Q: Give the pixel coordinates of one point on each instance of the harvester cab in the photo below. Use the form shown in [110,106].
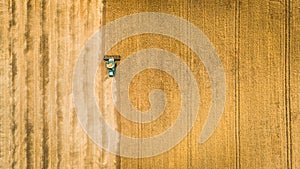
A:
[110,62]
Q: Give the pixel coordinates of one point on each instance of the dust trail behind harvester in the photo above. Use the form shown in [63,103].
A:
[109,114]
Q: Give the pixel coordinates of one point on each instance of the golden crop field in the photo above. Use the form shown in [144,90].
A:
[257,42]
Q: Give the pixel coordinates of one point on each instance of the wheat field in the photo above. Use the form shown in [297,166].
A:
[257,41]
